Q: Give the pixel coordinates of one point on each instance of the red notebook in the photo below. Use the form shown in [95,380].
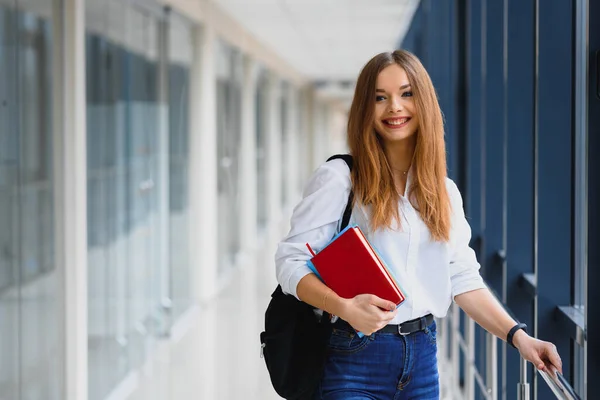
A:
[350,266]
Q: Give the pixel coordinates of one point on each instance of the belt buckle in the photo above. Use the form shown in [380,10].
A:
[402,333]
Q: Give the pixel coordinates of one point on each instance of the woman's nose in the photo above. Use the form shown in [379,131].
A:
[395,105]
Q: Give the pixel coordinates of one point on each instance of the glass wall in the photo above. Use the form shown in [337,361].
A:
[127,187]
[229,111]
[180,63]
[31,328]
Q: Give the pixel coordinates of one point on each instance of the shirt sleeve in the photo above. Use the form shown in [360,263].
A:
[464,267]
[314,221]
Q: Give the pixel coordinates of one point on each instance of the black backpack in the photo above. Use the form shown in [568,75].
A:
[294,342]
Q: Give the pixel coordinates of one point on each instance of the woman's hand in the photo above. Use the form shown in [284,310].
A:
[541,354]
[368,313]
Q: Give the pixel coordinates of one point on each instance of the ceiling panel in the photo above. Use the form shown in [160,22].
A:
[324,39]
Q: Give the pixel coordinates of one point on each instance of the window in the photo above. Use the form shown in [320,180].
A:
[229,94]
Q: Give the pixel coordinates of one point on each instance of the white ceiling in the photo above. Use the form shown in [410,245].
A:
[326,40]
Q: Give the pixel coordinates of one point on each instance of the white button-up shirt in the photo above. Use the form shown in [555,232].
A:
[429,272]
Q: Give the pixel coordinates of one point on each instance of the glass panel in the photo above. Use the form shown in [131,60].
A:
[580,197]
[261,152]
[302,138]
[229,88]
[40,285]
[108,182]
[144,134]
[581,165]
[31,366]
[180,63]
[127,186]
[9,204]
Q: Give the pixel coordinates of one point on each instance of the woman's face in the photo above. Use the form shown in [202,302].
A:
[396,117]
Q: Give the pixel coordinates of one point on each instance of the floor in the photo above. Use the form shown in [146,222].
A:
[214,351]
[217,355]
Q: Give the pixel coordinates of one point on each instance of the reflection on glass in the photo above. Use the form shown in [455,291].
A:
[125,186]
[229,107]
[180,62]
[261,151]
[30,293]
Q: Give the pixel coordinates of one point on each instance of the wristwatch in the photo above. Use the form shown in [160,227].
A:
[511,333]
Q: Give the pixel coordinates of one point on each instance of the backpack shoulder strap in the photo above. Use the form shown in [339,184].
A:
[348,211]
[346,157]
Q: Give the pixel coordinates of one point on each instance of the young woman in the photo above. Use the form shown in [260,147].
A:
[412,213]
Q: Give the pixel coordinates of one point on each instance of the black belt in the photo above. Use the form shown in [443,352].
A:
[405,328]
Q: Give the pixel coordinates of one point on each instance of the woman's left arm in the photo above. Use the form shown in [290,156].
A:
[471,294]
[484,309]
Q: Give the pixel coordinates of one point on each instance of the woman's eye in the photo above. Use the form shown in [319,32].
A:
[407,94]
[379,98]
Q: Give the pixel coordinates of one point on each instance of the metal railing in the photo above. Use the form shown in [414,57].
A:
[453,343]
[559,385]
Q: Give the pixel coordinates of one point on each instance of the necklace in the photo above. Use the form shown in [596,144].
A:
[404,173]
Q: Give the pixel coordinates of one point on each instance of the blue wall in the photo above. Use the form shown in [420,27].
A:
[510,134]
[593,327]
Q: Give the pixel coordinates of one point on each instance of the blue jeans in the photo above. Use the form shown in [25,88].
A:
[382,366]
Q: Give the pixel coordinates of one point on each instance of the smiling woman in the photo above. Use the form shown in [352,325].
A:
[394,99]
[412,213]
[395,114]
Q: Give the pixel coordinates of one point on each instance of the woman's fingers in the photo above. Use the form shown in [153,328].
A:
[381,303]
[537,361]
[543,355]
[553,356]
[372,313]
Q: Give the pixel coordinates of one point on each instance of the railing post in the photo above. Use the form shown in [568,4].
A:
[470,358]
[455,349]
[491,367]
[523,386]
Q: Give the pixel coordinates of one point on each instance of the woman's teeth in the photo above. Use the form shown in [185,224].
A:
[397,121]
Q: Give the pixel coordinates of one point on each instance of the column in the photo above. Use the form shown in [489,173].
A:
[320,141]
[310,160]
[203,170]
[164,187]
[248,157]
[293,157]
[70,195]
[273,154]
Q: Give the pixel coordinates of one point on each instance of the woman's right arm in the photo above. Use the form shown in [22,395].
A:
[365,312]
[315,221]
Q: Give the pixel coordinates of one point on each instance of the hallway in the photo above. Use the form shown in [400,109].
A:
[217,355]
[151,152]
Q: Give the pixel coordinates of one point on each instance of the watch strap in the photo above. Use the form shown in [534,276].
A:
[514,329]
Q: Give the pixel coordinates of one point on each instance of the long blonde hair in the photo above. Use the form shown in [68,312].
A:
[372,178]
